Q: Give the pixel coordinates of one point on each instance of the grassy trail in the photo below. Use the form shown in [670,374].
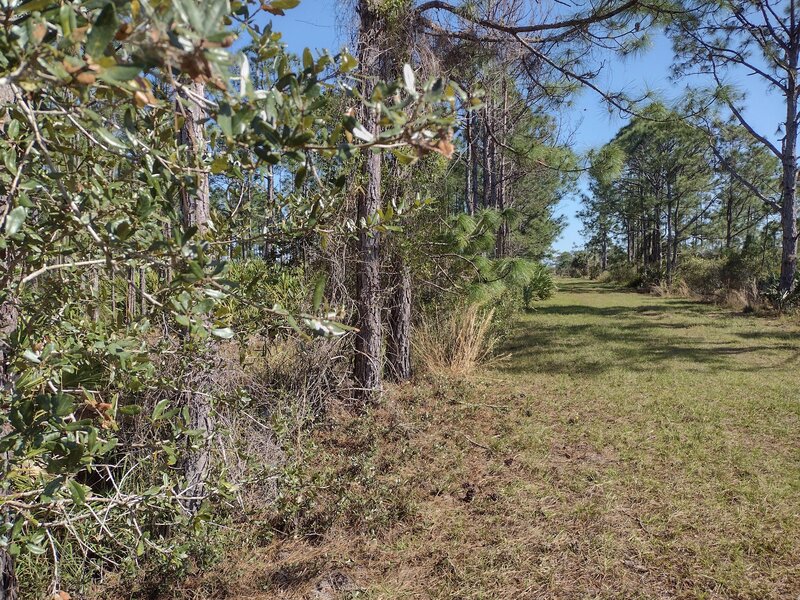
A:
[630,447]
[663,450]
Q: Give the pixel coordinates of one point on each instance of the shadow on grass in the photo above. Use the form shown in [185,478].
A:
[567,310]
[581,286]
[583,339]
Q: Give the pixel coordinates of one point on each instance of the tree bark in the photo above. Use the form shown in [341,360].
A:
[501,249]
[475,163]
[367,360]
[604,248]
[195,203]
[729,217]
[195,212]
[143,290]
[487,162]
[398,351]
[656,237]
[197,463]
[9,587]
[670,232]
[130,297]
[492,168]
[628,241]
[468,135]
[789,182]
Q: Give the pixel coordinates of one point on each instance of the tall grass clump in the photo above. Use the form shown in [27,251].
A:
[456,344]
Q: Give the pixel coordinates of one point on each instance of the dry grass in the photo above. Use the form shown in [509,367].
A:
[746,300]
[679,289]
[457,344]
[736,300]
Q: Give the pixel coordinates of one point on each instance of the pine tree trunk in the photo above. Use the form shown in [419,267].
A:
[130,297]
[196,203]
[670,232]
[487,163]
[475,163]
[500,186]
[398,351]
[628,241]
[729,219]
[468,135]
[645,241]
[143,290]
[270,250]
[197,463]
[789,184]
[604,250]
[492,167]
[9,589]
[656,239]
[367,360]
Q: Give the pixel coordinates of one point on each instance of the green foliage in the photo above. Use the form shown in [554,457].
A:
[576,264]
[730,270]
[540,286]
[107,280]
[257,287]
[770,290]
[545,171]
[624,274]
[668,203]
[702,275]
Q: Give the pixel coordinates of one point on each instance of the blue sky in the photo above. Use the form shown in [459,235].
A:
[316,24]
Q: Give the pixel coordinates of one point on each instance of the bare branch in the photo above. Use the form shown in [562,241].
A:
[576,23]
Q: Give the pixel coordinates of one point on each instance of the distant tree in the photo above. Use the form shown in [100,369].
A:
[746,171]
[659,188]
[759,39]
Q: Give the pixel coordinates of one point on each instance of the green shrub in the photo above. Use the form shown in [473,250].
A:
[625,274]
[540,286]
[732,271]
[513,284]
[769,289]
[702,275]
[259,285]
[605,277]
[741,268]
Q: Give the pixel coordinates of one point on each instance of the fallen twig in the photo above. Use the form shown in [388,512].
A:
[474,443]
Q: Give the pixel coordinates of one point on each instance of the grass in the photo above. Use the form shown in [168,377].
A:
[631,447]
[456,345]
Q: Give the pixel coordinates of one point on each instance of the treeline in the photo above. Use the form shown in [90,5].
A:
[206,240]
[697,195]
[661,193]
